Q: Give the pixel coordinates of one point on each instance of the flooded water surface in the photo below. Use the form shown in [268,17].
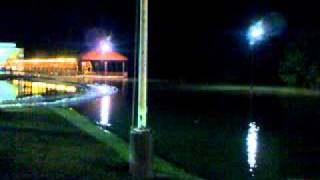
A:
[213,134]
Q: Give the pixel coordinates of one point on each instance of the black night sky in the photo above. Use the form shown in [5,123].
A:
[189,40]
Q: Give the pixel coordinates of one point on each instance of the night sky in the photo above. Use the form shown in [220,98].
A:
[189,40]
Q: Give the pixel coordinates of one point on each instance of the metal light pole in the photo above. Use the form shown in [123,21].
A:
[251,81]
[140,136]
[143,60]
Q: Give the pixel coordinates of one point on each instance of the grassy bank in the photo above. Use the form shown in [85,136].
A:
[59,143]
[257,90]
[161,167]
[40,144]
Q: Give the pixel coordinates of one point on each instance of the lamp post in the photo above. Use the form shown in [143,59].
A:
[255,34]
[140,157]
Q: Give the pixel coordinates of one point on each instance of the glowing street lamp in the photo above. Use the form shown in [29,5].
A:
[256,32]
[105,45]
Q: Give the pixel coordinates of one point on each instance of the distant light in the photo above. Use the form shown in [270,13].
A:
[256,32]
[105,46]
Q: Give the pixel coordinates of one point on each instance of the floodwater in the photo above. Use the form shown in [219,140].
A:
[30,93]
[212,134]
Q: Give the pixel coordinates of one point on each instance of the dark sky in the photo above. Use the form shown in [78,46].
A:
[190,40]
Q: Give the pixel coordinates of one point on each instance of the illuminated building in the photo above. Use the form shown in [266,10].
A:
[52,66]
[108,63]
[90,63]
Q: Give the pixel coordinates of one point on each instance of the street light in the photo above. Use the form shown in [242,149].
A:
[256,33]
[105,45]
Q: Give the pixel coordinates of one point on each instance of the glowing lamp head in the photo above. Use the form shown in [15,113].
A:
[105,46]
[256,32]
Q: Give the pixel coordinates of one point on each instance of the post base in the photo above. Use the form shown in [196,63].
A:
[140,153]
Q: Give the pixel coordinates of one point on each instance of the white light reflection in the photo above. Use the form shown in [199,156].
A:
[92,92]
[104,112]
[252,146]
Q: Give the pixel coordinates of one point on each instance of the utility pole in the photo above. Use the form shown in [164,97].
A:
[140,135]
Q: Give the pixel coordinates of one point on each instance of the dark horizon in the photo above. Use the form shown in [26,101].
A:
[200,41]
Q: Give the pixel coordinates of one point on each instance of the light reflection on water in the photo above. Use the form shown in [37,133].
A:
[252,146]
[105,111]
[24,89]
[22,93]
[39,88]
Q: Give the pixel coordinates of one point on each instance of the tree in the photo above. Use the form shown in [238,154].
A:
[297,70]
[292,67]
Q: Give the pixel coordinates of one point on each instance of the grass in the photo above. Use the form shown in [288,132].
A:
[37,143]
[59,143]
[244,89]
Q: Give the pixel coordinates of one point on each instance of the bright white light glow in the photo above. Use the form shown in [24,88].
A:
[104,112]
[105,46]
[103,89]
[256,32]
[252,146]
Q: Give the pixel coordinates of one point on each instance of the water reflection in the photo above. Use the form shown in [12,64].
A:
[105,111]
[252,146]
[40,88]
[21,93]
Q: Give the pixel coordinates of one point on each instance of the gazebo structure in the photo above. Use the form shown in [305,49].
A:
[107,63]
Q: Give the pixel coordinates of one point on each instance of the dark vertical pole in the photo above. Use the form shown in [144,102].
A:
[105,67]
[136,54]
[251,93]
[123,68]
